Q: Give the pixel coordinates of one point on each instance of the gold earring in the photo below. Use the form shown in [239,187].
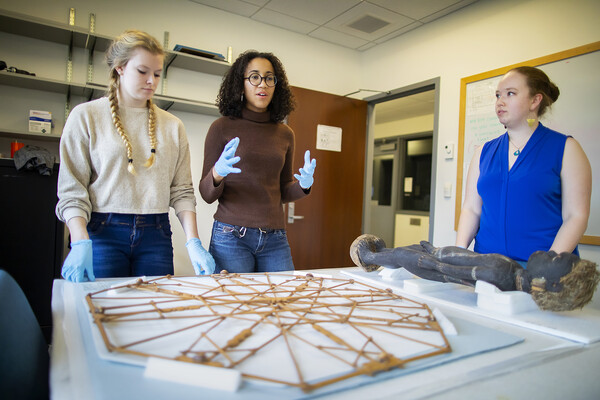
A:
[531,121]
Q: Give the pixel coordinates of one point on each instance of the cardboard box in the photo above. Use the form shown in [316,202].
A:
[40,121]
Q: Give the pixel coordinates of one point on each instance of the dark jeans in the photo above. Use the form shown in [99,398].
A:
[239,249]
[131,244]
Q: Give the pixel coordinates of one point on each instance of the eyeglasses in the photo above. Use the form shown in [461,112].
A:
[255,79]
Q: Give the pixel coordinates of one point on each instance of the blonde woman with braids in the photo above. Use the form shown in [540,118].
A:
[124,162]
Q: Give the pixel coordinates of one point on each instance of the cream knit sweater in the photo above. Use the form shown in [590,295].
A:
[93,172]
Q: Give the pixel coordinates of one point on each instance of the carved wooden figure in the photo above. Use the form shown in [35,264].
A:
[557,282]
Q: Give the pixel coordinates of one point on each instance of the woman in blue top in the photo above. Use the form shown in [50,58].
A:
[530,188]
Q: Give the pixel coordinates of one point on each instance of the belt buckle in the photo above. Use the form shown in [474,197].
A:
[238,233]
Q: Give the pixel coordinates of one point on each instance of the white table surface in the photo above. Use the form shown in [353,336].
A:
[541,366]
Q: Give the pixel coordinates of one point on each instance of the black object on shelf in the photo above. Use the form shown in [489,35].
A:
[16,70]
[197,52]
[31,238]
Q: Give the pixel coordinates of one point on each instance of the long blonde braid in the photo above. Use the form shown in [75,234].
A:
[118,55]
[152,134]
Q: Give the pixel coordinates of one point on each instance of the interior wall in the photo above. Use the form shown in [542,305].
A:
[309,63]
[483,36]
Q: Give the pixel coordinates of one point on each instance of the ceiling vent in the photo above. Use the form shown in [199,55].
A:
[368,24]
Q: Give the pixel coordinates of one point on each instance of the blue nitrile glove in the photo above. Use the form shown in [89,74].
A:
[306,173]
[79,264]
[224,165]
[202,261]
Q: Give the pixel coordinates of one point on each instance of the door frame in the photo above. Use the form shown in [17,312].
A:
[395,189]
[431,84]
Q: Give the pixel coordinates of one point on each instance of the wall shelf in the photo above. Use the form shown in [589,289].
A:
[78,37]
[38,28]
[179,104]
[196,63]
[33,82]
[16,134]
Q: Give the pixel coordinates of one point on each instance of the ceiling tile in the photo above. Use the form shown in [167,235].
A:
[338,38]
[348,23]
[395,20]
[259,3]
[366,46]
[315,11]
[233,6]
[415,9]
[399,32]
[284,21]
[447,10]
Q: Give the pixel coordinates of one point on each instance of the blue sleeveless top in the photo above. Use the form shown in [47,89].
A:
[522,207]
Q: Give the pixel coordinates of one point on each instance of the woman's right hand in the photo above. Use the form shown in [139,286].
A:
[224,165]
[79,264]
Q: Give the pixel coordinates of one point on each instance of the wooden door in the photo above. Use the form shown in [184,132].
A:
[332,213]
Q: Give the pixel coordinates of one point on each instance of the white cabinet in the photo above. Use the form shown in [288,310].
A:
[71,38]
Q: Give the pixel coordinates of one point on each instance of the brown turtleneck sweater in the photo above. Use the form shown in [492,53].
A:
[254,197]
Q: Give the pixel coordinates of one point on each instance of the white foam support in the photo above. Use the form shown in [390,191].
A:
[122,286]
[582,326]
[417,286]
[395,274]
[489,297]
[446,325]
[193,374]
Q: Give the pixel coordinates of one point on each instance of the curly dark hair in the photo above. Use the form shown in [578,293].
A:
[229,99]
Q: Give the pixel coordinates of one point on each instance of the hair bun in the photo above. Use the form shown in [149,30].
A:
[553,91]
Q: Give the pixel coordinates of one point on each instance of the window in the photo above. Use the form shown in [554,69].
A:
[415,185]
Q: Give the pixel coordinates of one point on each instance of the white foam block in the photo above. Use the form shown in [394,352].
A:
[122,286]
[416,286]
[446,325]
[395,274]
[193,374]
[489,297]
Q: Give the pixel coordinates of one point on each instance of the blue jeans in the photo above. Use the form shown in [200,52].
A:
[131,244]
[239,249]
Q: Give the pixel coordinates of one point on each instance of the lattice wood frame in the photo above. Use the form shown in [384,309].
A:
[221,320]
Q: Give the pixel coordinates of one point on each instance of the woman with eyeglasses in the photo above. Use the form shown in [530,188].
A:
[248,157]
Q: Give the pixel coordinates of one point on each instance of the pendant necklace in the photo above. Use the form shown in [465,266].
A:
[518,151]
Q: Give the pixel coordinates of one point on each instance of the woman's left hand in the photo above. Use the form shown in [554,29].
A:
[306,172]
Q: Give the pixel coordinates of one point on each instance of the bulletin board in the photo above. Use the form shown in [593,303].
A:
[575,113]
